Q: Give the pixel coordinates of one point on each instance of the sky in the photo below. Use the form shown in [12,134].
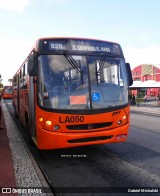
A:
[132,24]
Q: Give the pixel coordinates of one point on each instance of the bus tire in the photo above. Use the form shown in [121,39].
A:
[15,113]
[27,124]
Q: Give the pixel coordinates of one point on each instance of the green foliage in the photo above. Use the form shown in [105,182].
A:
[1,85]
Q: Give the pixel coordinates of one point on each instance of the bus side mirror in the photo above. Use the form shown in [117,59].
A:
[32,64]
[129,73]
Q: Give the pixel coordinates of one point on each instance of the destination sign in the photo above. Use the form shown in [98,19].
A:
[81,46]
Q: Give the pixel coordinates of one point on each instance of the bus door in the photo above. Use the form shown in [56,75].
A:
[31,97]
[18,94]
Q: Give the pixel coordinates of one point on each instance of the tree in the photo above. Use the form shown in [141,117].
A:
[10,81]
[1,85]
[1,78]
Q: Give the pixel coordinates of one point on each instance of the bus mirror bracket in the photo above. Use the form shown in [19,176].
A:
[129,73]
[32,64]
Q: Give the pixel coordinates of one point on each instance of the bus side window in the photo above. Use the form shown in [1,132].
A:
[15,82]
[23,76]
[25,70]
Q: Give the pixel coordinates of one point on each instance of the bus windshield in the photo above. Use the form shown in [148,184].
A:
[85,82]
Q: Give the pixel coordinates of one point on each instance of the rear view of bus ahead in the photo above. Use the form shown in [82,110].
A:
[73,92]
[7,92]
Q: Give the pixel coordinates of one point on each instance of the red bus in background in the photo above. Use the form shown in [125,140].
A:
[73,92]
[7,92]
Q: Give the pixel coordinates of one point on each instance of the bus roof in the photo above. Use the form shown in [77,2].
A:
[74,38]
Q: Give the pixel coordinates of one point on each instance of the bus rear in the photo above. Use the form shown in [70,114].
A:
[7,92]
[77,93]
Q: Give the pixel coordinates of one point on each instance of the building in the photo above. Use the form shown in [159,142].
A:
[146,72]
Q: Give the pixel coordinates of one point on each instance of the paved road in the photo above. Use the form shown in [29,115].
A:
[146,122]
[134,163]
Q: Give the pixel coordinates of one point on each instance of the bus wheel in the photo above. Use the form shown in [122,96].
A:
[15,113]
[27,126]
[29,139]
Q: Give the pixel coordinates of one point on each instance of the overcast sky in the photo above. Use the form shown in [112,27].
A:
[133,24]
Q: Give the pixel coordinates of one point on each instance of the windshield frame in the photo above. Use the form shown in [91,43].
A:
[90,110]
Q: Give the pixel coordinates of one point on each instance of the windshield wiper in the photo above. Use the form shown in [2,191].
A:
[102,60]
[101,63]
[73,63]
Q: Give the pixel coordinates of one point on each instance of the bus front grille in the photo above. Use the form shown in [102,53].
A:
[90,139]
[89,126]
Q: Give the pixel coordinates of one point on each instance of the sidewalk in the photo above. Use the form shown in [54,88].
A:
[152,110]
[7,175]
[18,169]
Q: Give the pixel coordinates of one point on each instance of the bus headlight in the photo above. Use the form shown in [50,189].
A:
[50,126]
[48,123]
[124,118]
[56,127]
[119,122]
[122,121]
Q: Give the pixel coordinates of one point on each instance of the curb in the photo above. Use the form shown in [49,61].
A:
[145,111]
[27,171]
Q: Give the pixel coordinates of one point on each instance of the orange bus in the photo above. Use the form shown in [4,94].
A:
[73,92]
[7,92]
